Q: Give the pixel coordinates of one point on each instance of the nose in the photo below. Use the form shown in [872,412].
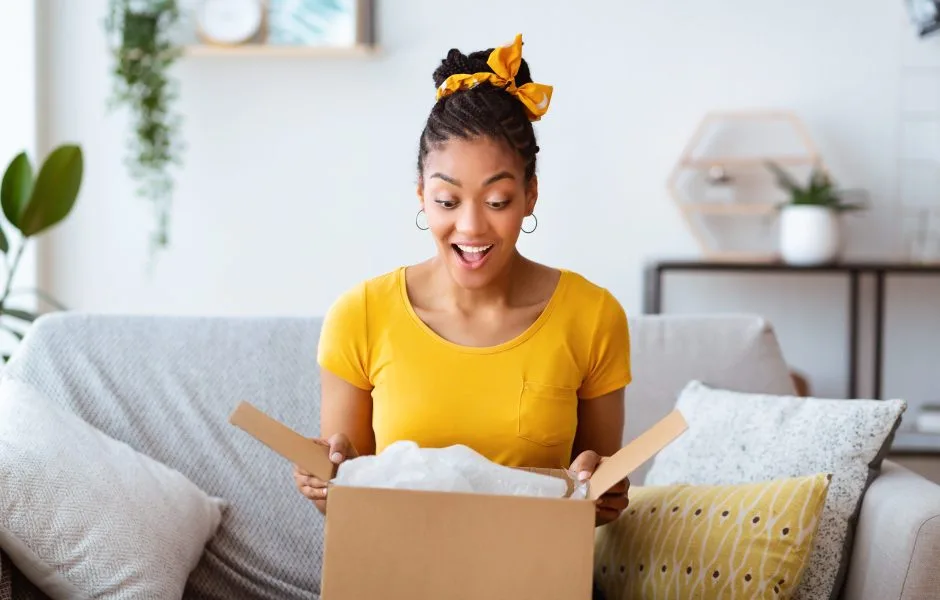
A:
[471,221]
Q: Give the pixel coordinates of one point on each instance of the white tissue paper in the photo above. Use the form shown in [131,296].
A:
[404,465]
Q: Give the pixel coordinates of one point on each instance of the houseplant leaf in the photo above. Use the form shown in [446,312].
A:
[55,191]
[22,315]
[17,334]
[16,188]
[784,179]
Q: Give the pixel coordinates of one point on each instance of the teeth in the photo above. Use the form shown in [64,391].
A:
[474,249]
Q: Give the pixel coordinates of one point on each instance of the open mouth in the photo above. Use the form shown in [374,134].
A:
[471,256]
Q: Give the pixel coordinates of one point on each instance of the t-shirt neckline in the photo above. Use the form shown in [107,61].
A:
[531,330]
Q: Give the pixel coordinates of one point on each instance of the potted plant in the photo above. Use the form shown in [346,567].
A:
[144,51]
[810,226]
[32,205]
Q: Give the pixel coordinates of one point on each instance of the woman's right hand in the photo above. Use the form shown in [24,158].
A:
[312,486]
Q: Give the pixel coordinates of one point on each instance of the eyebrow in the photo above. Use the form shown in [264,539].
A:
[491,180]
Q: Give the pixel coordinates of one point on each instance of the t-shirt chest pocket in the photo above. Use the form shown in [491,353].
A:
[548,414]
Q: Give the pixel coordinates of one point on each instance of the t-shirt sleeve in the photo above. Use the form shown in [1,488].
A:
[609,361]
[344,339]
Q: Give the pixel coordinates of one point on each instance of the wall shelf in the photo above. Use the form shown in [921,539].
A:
[736,208]
[720,207]
[748,161]
[270,50]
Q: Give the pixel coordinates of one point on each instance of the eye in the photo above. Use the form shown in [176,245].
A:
[499,204]
[446,203]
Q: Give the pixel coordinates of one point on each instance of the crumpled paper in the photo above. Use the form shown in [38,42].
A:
[458,468]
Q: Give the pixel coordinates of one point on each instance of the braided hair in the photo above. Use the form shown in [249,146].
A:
[482,111]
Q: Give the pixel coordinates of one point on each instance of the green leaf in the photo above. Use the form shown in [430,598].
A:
[16,188]
[23,315]
[4,244]
[55,192]
[784,179]
[18,335]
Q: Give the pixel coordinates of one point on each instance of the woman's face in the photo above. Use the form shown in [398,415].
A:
[475,197]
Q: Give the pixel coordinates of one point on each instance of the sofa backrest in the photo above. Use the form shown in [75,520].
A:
[166,386]
[738,352]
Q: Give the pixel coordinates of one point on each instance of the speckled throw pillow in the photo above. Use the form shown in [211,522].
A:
[736,437]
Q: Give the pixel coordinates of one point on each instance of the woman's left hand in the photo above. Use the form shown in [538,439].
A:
[614,501]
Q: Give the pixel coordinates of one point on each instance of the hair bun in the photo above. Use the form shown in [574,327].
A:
[457,63]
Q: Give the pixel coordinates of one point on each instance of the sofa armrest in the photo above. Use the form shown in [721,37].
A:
[897,541]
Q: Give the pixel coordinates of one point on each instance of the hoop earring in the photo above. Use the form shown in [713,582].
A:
[534,227]
[418,225]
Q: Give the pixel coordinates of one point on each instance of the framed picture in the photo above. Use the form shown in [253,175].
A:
[320,23]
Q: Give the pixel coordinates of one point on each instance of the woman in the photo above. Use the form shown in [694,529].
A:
[478,345]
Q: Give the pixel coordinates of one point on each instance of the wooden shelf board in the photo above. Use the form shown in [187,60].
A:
[748,161]
[270,50]
[753,208]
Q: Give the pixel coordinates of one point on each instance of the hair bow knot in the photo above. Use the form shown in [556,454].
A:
[505,62]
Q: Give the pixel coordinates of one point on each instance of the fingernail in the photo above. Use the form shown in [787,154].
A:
[336,457]
[584,475]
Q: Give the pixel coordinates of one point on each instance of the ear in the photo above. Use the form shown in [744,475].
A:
[419,190]
[531,195]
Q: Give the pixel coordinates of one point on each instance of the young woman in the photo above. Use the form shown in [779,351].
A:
[478,345]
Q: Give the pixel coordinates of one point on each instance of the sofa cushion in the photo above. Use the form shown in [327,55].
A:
[737,437]
[167,385]
[86,516]
[748,540]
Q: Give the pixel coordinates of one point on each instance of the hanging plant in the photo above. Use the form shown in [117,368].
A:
[143,50]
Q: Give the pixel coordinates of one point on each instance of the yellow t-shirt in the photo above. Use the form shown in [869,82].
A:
[516,403]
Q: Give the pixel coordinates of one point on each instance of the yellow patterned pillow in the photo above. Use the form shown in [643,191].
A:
[722,541]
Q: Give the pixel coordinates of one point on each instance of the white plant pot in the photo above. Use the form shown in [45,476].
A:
[809,235]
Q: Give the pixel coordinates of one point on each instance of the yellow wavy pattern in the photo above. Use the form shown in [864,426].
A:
[707,542]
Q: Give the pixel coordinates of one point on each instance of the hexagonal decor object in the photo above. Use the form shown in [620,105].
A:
[723,187]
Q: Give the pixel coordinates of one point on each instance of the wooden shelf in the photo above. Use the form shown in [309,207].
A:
[742,208]
[270,50]
[747,161]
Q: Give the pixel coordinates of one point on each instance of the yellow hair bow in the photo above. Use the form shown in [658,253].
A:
[505,62]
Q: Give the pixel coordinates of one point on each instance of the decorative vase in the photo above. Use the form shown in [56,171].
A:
[809,235]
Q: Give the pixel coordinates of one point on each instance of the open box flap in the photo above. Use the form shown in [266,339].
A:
[313,456]
[615,468]
[310,455]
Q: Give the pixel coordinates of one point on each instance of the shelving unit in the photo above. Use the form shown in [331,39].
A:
[744,208]
[748,161]
[275,37]
[918,162]
[270,50]
[736,230]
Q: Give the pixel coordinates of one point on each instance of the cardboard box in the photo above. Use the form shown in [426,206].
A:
[422,545]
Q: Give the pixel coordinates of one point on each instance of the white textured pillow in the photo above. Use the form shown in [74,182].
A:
[83,515]
[736,437]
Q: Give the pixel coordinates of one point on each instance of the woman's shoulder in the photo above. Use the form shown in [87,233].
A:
[586,293]
[374,291]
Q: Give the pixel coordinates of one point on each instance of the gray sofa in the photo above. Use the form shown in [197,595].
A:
[166,385]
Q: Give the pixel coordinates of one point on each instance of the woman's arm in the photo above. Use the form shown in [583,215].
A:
[600,424]
[346,409]
[345,424]
[600,434]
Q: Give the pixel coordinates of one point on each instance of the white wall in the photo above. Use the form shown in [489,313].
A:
[299,172]
[18,125]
